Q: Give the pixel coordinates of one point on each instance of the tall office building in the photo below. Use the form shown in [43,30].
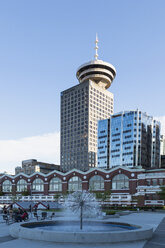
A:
[129,138]
[81,107]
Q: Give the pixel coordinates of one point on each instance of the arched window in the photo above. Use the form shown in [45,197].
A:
[120,181]
[6,186]
[74,184]
[38,185]
[21,185]
[55,184]
[96,183]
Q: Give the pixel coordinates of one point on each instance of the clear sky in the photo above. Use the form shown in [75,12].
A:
[43,42]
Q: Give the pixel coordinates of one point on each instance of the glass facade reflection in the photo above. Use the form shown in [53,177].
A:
[130,138]
[103,143]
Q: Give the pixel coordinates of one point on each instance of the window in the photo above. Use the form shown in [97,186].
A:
[160,181]
[55,184]
[96,183]
[129,136]
[120,181]
[38,185]
[116,134]
[148,182]
[6,186]
[154,182]
[74,184]
[127,131]
[21,185]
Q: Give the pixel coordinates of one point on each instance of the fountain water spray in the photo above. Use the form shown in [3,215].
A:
[84,204]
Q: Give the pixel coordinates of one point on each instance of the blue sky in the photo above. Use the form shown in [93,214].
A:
[42,44]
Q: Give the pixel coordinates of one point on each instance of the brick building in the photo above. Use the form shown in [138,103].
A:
[127,186]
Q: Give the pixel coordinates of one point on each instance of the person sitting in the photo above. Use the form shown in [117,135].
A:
[20,211]
[18,217]
[24,216]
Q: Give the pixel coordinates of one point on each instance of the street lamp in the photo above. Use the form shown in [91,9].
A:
[31,199]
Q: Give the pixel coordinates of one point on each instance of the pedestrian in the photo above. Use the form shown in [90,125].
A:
[35,209]
[30,208]
[5,209]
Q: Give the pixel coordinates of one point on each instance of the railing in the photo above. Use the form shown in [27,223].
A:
[154,202]
[120,198]
[5,199]
[8,199]
[117,202]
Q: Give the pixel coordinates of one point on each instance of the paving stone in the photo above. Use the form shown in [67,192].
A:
[6,238]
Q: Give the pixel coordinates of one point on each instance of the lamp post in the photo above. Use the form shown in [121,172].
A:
[31,200]
[81,213]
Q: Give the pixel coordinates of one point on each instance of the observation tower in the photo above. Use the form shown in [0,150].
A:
[82,106]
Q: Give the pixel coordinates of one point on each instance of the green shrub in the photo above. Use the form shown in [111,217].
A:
[54,210]
[110,212]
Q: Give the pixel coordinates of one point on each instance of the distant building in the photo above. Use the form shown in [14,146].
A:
[129,138]
[81,107]
[32,165]
[3,174]
[162,161]
[162,150]
[162,145]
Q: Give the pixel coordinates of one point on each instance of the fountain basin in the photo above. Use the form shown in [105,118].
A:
[103,232]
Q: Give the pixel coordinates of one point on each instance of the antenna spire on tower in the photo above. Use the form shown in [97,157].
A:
[96,47]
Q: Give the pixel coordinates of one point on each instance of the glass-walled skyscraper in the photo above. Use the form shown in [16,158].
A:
[132,138]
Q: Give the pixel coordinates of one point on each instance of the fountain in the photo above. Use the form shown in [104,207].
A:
[83,204]
[86,228]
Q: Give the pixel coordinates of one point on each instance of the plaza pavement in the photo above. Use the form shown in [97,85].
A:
[158,238]
[152,219]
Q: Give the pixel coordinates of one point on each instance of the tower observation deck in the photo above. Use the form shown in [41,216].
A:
[100,72]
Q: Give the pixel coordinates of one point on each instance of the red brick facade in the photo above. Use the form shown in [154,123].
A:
[138,182]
